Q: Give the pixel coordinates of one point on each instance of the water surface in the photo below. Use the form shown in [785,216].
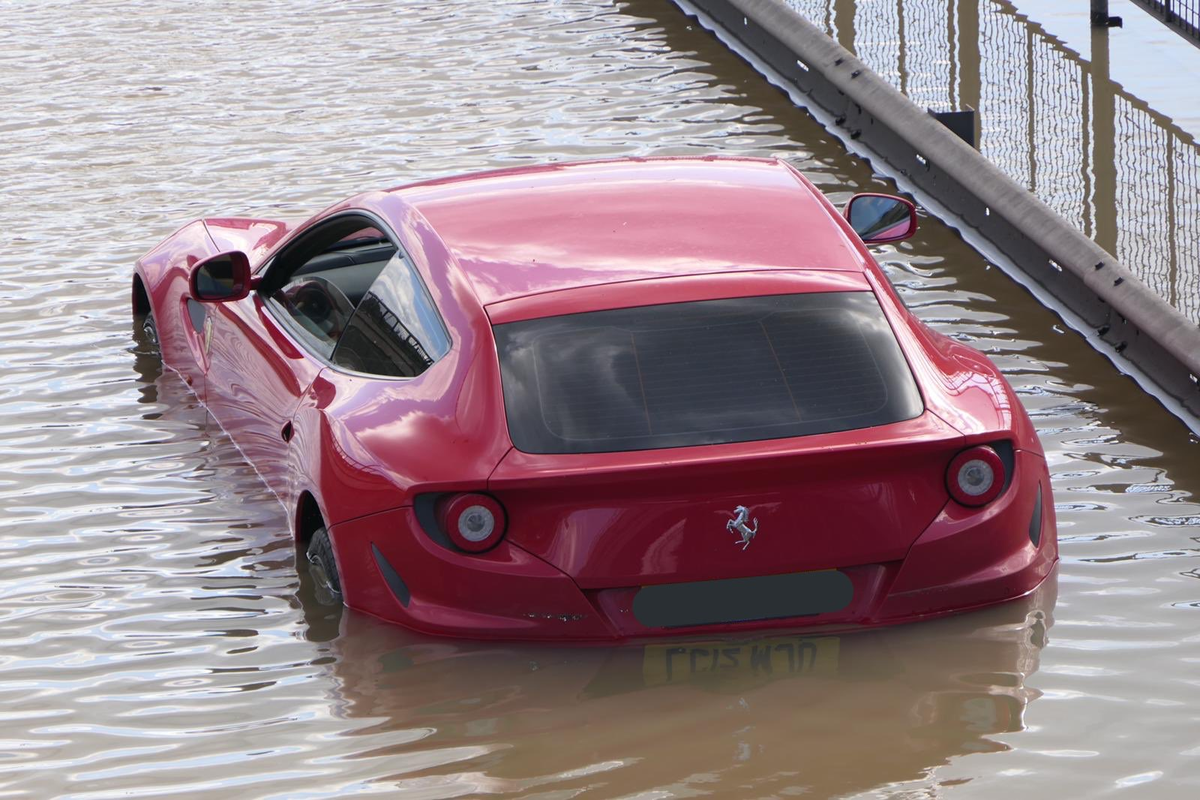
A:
[156,639]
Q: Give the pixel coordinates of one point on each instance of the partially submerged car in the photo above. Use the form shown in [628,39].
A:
[609,400]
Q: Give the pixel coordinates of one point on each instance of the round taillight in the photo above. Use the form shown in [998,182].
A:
[976,476]
[474,522]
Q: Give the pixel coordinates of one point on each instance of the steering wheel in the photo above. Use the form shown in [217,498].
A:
[320,304]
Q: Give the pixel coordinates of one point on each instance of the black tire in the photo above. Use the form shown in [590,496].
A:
[150,331]
[323,567]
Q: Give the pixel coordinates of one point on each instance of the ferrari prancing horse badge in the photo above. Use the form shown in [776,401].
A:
[738,526]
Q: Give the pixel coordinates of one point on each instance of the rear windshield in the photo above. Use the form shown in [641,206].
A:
[734,370]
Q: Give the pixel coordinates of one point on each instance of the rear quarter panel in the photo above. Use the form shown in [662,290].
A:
[957,382]
[965,388]
[365,445]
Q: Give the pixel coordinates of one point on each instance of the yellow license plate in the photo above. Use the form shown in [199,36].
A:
[763,659]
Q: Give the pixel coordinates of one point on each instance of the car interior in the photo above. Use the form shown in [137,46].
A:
[351,264]
[337,264]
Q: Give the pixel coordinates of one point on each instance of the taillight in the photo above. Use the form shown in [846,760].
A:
[474,522]
[976,476]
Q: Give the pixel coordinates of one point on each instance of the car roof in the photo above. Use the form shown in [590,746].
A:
[525,231]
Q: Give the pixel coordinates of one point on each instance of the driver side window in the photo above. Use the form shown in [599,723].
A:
[321,279]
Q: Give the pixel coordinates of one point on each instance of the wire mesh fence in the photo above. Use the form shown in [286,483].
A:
[1053,121]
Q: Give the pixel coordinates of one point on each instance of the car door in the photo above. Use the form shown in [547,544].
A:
[256,377]
[266,350]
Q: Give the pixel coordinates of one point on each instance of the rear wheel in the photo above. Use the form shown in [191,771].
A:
[323,568]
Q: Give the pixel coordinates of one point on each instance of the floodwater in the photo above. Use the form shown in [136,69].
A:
[155,639]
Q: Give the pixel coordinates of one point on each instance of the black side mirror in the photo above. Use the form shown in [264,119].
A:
[221,278]
[879,218]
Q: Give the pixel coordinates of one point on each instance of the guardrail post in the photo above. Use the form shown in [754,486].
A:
[962,122]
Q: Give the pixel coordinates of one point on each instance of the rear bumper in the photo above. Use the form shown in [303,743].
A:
[965,559]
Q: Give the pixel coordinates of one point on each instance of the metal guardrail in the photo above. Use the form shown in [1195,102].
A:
[1182,15]
[1124,174]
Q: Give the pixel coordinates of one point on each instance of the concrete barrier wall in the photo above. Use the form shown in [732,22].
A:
[1127,317]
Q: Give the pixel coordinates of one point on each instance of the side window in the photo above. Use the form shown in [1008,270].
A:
[396,330]
[320,280]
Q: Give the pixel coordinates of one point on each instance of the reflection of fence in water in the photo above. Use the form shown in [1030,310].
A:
[1157,181]
[1102,158]
[1035,116]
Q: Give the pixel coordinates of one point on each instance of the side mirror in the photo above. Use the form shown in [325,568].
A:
[221,278]
[879,218]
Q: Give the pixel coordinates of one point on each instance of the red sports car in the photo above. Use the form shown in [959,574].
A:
[610,400]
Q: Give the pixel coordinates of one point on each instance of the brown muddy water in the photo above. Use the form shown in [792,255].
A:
[155,639]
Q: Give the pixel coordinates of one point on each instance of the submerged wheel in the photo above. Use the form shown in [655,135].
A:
[323,568]
[150,330]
